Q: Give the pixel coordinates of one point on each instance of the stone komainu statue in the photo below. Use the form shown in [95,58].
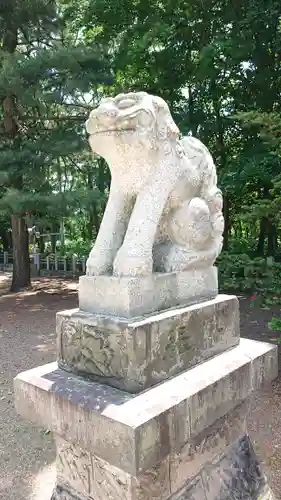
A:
[164,212]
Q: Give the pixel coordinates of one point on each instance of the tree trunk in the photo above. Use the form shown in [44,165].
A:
[21,265]
[271,239]
[221,152]
[103,179]
[53,238]
[262,235]
[41,244]
[95,221]
[227,223]
[92,210]
[192,123]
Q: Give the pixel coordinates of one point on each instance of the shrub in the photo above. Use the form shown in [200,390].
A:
[257,276]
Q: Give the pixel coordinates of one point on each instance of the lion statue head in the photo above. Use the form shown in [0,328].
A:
[133,118]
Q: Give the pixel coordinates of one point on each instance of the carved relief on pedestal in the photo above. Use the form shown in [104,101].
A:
[90,477]
[83,472]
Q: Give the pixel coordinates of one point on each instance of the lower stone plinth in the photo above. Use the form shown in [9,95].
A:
[133,355]
[233,475]
[183,439]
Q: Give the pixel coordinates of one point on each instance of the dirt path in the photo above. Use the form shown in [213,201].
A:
[27,339]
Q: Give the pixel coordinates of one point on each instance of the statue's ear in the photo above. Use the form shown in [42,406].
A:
[172,129]
[166,125]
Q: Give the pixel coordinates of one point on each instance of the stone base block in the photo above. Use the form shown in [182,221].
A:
[174,419]
[137,296]
[184,439]
[133,355]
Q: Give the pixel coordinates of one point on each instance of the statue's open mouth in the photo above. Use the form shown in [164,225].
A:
[125,123]
[110,131]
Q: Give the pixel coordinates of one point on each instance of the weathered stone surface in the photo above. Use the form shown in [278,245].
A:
[75,409]
[204,447]
[265,365]
[212,402]
[134,433]
[61,493]
[234,475]
[137,296]
[136,354]
[83,472]
[164,210]
[193,491]
[73,467]
[221,466]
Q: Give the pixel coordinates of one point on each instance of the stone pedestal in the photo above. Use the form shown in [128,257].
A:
[134,354]
[183,439]
[152,407]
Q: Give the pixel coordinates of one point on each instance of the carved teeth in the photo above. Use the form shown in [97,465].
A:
[110,131]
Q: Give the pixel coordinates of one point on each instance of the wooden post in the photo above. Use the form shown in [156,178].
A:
[74,265]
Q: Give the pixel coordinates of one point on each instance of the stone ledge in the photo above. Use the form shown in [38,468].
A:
[133,355]
[137,296]
[134,433]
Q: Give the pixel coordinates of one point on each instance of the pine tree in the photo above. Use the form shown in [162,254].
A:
[45,73]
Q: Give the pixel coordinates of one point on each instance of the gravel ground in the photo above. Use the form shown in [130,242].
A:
[27,339]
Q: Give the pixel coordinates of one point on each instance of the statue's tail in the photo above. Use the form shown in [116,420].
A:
[209,191]
[195,149]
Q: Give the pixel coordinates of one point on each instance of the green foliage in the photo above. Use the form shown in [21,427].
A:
[77,246]
[275,324]
[50,142]
[49,79]
[216,63]
[239,273]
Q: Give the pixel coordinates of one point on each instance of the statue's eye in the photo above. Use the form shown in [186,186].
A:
[145,119]
[126,103]
[106,100]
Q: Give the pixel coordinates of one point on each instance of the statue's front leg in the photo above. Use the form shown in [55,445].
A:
[111,233]
[135,255]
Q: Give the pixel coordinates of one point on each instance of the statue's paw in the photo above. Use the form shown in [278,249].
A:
[126,264]
[179,259]
[98,264]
